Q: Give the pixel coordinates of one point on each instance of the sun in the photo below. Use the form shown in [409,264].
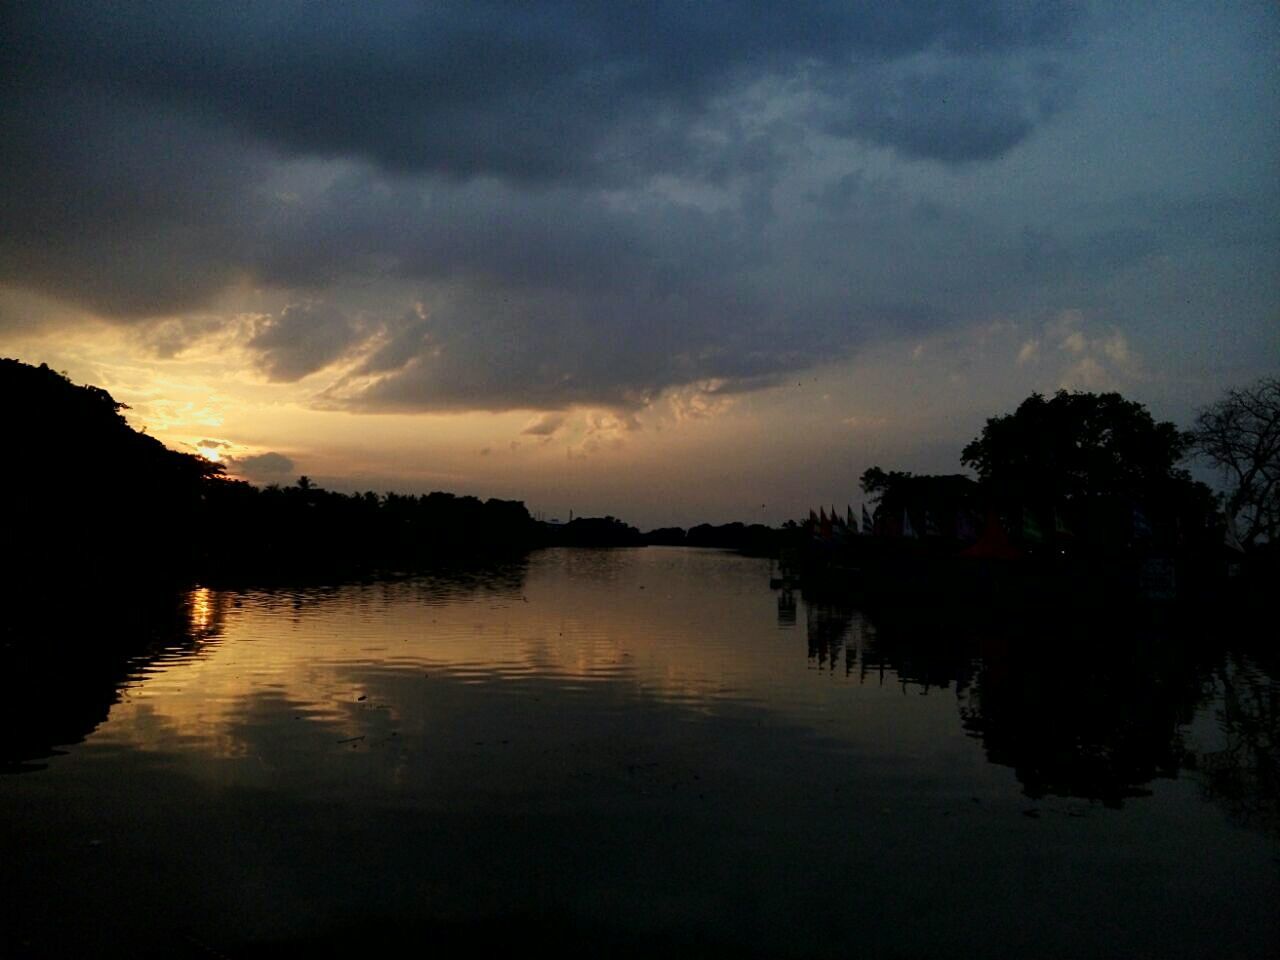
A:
[210,453]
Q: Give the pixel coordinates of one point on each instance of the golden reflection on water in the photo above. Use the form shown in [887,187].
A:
[599,731]
[201,602]
[697,631]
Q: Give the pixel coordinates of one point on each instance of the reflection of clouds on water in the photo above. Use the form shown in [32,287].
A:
[658,749]
[634,626]
[561,630]
[88,656]
[678,627]
[279,679]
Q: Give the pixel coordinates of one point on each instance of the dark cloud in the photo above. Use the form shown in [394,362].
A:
[130,208]
[479,349]
[304,338]
[262,466]
[169,338]
[1103,237]
[588,200]
[528,91]
[152,152]
[950,109]
[547,298]
[140,140]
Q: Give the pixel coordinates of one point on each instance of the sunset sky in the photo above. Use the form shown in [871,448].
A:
[671,261]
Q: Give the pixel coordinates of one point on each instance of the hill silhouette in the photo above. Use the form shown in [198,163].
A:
[90,498]
[86,494]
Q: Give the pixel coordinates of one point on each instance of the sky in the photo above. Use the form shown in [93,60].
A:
[675,262]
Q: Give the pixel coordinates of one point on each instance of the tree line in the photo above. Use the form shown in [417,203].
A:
[1098,470]
[89,498]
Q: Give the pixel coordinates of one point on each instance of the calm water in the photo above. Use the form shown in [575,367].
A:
[640,749]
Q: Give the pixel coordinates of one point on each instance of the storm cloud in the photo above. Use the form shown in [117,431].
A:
[504,205]
[301,340]
[528,91]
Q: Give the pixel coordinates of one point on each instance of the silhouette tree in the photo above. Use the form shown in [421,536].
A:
[1076,445]
[91,497]
[1097,459]
[86,491]
[1240,435]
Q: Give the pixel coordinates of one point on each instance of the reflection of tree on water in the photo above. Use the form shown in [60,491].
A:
[1092,712]
[827,627]
[886,641]
[924,652]
[786,608]
[1243,774]
[65,664]
[1088,710]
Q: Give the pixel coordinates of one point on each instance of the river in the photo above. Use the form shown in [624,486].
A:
[634,751]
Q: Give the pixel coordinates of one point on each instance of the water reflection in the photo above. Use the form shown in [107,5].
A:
[1083,713]
[66,666]
[204,610]
[933,653]
[616,747]
[1094,711]
[69,665]
[828,627]
[1091,710]
[786,608]
[1242,772]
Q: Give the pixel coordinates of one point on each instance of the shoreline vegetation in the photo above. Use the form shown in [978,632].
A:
[89,496]
[107,531]
[1078,499]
